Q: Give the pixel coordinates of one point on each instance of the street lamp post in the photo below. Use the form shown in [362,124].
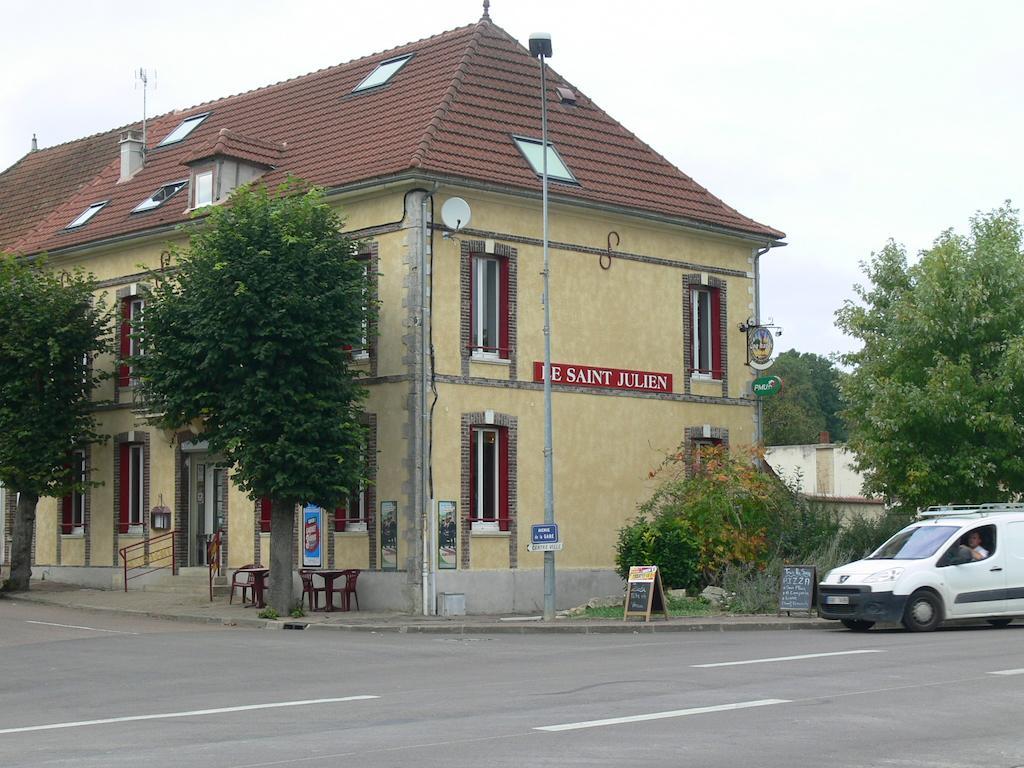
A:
[540,46]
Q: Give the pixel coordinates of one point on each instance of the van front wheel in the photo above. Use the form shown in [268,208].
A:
[923,612]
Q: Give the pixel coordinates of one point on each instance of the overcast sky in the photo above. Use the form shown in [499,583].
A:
[843,124]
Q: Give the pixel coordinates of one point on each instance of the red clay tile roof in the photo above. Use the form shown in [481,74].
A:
[41,180]
[230,144]
[450,112]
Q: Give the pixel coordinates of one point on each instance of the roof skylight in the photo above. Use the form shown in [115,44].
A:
[87,214]
[534,154]
[166,192]
[384,72]
[186,127]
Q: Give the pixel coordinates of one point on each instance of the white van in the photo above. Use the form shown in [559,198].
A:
[927,573]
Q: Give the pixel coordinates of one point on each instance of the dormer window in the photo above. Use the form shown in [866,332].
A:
[202,187]
[158,198]
[533,152]
[87,214]
[186,127]
[382,74]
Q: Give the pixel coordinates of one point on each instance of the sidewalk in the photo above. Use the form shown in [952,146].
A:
[199,609]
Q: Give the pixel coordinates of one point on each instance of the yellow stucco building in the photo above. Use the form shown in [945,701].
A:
[651,278]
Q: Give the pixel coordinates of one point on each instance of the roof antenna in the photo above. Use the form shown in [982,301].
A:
[143,76]
[487,7]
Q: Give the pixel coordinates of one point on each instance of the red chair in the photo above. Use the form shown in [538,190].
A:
[309,591]
[244,581]
[348,590]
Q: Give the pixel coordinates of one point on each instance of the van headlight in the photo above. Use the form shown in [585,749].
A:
[889,574]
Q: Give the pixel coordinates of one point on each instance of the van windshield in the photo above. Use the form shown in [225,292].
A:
[914,543]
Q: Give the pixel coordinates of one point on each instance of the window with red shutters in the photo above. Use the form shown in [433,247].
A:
[131,501]
[488,473]
[489,302]
[706,331]
[131,312]
[73,505]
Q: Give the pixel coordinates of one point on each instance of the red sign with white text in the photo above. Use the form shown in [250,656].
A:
[613,378]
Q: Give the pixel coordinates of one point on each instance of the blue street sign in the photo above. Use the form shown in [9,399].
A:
[544,534]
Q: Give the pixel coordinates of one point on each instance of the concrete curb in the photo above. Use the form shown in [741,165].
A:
[403,625]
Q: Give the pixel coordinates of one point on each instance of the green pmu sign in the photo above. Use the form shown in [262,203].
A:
[766,386]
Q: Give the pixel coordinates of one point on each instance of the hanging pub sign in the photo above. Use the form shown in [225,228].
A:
[644,593]
[612,378]
[766,386]
[760,345]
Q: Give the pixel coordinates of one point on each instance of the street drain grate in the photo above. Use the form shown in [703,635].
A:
[295,625]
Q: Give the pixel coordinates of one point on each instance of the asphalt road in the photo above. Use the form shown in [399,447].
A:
[88,690]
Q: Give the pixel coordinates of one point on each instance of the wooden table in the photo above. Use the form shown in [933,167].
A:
[259,582]
[329,575]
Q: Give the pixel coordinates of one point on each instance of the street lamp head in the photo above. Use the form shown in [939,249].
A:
[540,45]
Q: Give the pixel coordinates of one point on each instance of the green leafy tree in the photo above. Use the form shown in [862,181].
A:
[248,340]
[51,327]
[809,403]
[936,395]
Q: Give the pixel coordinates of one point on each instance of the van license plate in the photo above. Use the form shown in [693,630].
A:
[837,600]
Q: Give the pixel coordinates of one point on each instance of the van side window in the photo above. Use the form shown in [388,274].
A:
[973,545]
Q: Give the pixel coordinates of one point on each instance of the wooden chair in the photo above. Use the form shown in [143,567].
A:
[348,589]
[243,581]
[309,591]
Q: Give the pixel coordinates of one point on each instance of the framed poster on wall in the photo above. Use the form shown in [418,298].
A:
[312,528]
[447,534]
[389,535]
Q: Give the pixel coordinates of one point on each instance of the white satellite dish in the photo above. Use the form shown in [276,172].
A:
[455,213]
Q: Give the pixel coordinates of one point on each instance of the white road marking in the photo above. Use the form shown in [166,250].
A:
[192,713]
[661,715]
[782,658]
[1008,672]
[75,626]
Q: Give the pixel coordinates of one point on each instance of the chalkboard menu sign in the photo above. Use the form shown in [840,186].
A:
[796,590]
[645,593]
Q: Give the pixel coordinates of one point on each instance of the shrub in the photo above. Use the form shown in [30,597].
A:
[666,543]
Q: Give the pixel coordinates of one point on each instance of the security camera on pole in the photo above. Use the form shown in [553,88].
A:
[540,46]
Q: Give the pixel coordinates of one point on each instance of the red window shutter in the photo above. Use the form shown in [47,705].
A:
[472,306]
[340,518]
[123,371]
[688,363]
[126,487]
[66,525]
[717,364]
[265,515]
[472,473]
[503,480]
[503,311]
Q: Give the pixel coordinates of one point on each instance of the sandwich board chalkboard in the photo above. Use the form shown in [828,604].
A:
[796,589]
[644,592]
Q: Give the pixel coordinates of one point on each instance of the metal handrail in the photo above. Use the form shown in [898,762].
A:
[213,559]
[150,557]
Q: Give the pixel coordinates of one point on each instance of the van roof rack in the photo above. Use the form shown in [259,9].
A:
[962,510]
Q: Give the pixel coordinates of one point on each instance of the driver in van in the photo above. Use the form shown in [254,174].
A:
[978,552]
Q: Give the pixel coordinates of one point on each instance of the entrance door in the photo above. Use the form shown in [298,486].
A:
[206,505]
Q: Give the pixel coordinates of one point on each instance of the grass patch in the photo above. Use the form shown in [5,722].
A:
[677,606]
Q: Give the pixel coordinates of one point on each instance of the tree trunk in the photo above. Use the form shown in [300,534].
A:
[21,542]
[282,556]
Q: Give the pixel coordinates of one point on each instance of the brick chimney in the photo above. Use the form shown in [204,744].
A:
[824,438]
[133,154]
